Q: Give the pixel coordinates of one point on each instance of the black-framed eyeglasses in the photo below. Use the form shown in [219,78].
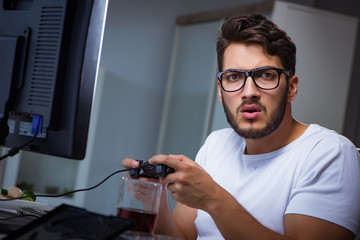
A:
[264,78]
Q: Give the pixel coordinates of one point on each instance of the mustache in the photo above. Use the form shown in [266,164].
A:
[250,102]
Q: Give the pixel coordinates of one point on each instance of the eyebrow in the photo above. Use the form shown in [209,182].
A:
[234,69]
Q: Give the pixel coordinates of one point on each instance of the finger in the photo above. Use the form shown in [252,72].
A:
[180,158]
[183,159]
[147,179]
[170,161]
[174,194]
[129,163]
[170,187]
[168,179]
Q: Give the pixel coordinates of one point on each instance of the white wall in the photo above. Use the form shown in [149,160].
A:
[136,55]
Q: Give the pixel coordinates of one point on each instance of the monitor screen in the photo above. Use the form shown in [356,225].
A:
[50,52]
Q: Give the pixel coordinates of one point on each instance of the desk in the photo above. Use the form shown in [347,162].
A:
[9,225]
[128,235]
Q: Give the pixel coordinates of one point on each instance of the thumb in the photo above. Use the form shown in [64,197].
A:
[181,158]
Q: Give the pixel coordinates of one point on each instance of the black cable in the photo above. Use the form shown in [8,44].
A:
[18,216]
[36,128]
[15,150]
[71,192]
[59,195]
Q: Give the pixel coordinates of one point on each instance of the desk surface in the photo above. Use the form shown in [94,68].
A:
[128,235]
[9,224]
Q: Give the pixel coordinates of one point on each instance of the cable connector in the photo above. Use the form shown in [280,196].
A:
[37,122]
[36,128]
[13,151]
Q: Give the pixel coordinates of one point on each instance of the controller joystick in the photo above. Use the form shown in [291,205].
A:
[146,169]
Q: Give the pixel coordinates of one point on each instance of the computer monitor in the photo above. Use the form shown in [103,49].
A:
[49,58]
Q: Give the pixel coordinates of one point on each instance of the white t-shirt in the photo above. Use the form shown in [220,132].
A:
[318,175]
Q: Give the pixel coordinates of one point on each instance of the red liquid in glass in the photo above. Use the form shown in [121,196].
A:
[145,221]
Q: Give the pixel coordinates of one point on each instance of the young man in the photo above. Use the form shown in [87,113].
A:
[270,176]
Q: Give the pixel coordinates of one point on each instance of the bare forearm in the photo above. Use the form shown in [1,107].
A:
[165,223]
[234,222]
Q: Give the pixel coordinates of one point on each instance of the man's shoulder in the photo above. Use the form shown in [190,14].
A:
[327,135]
[327,144]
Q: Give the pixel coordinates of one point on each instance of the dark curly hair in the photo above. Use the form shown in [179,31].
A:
[257,29]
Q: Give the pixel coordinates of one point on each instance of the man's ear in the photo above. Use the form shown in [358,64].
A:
[293,88]
[219,91]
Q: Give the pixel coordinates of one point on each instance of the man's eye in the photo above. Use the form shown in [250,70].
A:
[234,77]
[268,75]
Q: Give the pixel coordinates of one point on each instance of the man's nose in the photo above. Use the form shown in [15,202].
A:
[250,90]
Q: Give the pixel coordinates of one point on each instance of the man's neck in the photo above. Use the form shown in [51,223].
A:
[288,131]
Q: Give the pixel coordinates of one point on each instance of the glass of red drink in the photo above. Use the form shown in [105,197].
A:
[139,200]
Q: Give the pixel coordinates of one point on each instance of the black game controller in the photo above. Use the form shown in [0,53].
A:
[146,169]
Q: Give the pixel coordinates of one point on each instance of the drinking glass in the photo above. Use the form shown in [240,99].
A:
[139,200]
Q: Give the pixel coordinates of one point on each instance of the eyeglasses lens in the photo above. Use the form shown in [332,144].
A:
[264,78]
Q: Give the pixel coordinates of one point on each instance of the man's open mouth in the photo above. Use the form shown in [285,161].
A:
[250,111]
